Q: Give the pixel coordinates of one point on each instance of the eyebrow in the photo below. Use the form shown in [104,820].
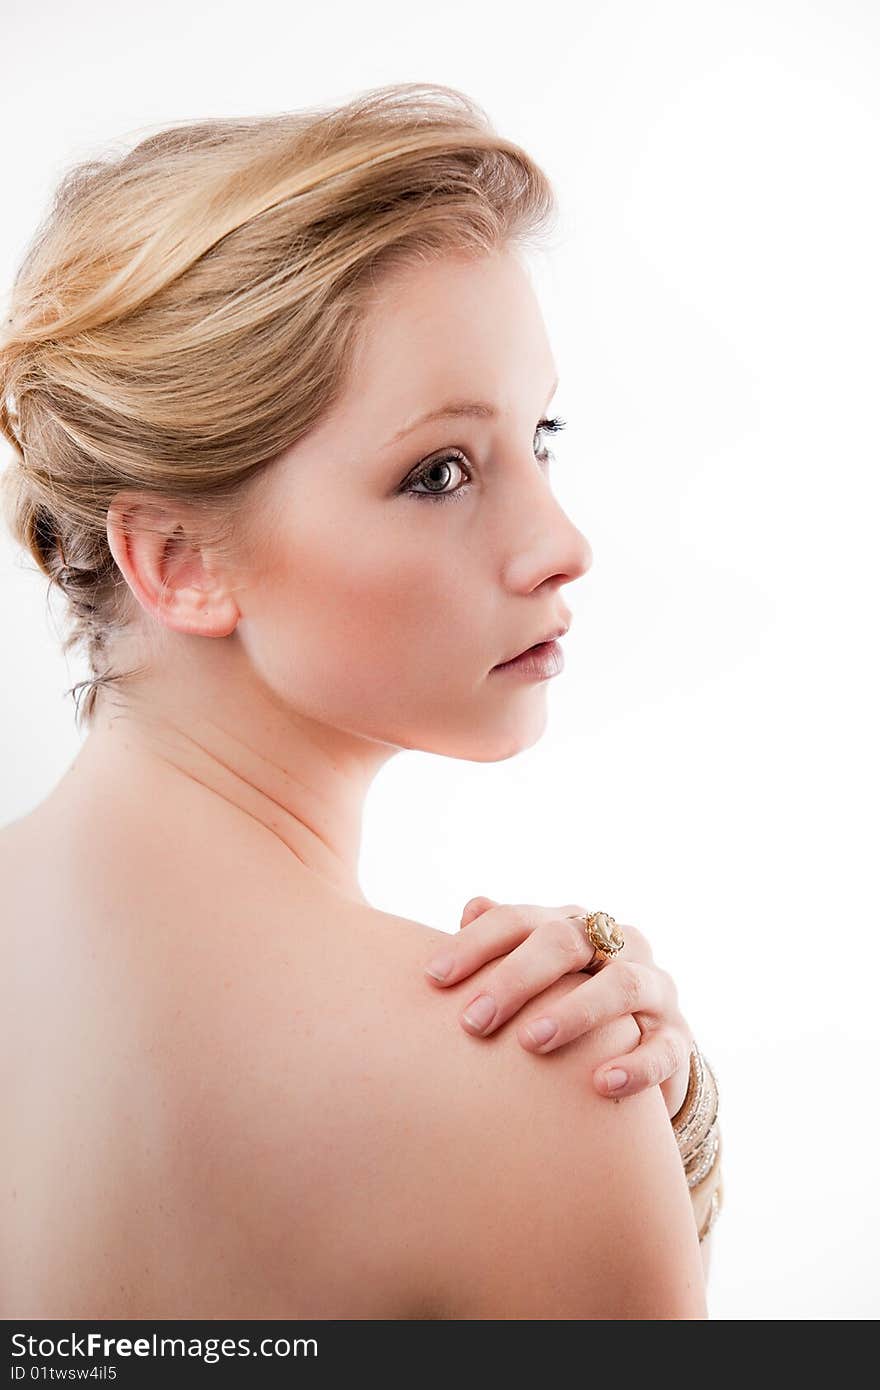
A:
[482,410]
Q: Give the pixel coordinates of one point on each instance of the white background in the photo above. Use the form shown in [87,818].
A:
[710,768]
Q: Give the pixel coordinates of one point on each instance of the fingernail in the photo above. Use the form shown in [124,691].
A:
[614,1079]
[480,1013]
[541,1030]
[440,967]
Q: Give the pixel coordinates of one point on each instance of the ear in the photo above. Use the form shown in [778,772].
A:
[157,547]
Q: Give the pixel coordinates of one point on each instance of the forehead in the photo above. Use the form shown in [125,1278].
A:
[458,328]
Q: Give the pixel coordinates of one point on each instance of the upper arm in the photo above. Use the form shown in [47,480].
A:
[558,1202]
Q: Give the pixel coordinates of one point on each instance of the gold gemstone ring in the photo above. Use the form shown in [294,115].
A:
[603,934]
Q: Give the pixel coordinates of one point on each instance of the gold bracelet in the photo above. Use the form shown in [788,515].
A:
[707,1198]
[699,1109]
[711,1217]
[698,1136]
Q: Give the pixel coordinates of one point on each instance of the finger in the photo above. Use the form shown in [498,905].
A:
[637,946]
[658,1056]
[620,987]
[555,947]
[497,930]
[474,908]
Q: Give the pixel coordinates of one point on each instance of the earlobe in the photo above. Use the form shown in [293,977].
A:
[197,613]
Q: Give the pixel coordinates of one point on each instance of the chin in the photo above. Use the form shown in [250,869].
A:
[494,741]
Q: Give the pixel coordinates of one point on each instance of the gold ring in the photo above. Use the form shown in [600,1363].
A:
[603,934]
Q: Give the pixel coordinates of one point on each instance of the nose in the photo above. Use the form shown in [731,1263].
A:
[546,543]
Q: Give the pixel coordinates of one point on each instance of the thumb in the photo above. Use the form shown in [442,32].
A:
[475,907]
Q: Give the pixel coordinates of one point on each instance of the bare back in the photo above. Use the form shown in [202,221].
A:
[144,1034]
[229,1092]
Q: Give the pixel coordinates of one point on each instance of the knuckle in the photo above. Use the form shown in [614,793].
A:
[629,983]
[571,939]
[509,984]
[519,987]
[669,985]
[638,946]
[475,906]
[655,1069]
[660,1061]
[520,915]
[677,1052]
[634,937]
[636,942]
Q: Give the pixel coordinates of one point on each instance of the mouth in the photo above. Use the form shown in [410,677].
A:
[540,662]
[538,647]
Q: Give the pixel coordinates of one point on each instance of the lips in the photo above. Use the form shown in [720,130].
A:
[551,636]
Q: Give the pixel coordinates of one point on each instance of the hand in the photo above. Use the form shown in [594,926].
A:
[543,945]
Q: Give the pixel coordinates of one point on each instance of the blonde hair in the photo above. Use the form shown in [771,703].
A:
[188,310]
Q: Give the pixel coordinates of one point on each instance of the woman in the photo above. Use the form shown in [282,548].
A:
[249,368]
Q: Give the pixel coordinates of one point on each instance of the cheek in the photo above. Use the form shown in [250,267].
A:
[368,612]
[389,637]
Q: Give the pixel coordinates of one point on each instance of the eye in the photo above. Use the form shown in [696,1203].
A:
[442,465]
[429,474]
[549,427]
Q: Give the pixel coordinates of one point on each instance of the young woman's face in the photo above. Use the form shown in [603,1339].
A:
[400,562]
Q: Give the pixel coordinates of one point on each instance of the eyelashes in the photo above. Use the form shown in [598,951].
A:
[543,455]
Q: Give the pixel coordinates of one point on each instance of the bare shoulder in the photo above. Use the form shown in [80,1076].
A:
[327,1137]
[462,1177]
[549,1201]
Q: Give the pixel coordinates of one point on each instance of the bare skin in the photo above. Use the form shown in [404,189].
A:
[228,1099]
[218,1054]
[152,1024]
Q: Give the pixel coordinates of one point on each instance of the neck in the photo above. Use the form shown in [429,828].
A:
[303,782]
